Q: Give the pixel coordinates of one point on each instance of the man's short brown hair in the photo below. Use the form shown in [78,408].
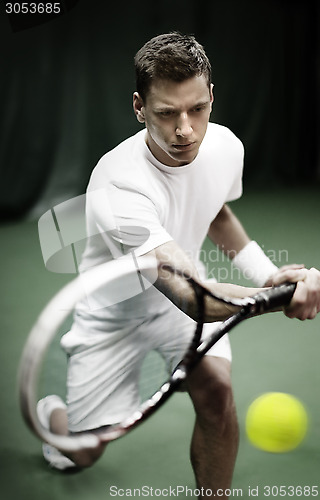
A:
[172,56]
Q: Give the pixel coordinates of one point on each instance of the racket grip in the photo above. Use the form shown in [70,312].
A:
[275,297]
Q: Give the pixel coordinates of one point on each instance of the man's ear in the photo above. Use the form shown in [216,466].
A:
[211,92]
[211,96]
[138,107]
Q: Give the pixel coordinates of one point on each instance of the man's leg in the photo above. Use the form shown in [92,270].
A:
[215,439]
[83,458]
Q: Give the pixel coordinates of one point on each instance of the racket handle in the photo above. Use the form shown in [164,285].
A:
[275,297]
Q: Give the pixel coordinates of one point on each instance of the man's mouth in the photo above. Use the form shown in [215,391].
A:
[183,147]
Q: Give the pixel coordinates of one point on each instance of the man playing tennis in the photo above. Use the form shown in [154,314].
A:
[165,189]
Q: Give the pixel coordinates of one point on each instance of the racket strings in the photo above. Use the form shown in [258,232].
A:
[157,367]
[153,373]
[52,317]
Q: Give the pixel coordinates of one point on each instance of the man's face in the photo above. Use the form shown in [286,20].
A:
[176,115]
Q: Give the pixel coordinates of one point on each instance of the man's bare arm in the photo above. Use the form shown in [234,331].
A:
[227,232]
[181,293]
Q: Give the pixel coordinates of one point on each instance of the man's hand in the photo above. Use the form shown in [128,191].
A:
[305,303]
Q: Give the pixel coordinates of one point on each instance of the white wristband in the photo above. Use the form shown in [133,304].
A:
[254,264]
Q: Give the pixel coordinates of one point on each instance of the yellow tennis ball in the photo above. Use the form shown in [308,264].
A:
[276,422]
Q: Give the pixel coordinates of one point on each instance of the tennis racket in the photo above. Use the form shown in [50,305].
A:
[117,279]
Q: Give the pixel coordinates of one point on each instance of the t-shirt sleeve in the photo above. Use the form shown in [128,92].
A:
[237,160]
[126,219]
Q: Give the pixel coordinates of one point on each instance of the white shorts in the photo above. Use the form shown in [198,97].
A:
[103,365]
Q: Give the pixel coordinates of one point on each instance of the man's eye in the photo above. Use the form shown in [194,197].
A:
[166,113]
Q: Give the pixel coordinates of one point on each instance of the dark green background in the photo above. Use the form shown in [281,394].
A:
[66,89]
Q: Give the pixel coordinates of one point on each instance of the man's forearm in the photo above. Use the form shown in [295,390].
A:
[227,232]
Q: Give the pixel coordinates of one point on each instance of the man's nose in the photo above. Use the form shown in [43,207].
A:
[183,128]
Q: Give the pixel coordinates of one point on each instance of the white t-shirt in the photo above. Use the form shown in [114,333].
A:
[135,203]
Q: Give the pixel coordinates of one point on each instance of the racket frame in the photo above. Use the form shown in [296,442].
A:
[57,310]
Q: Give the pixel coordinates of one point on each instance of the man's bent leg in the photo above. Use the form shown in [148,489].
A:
[82,458]
[215,439]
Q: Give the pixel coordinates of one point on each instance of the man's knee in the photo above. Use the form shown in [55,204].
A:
[210,389]
[86,458]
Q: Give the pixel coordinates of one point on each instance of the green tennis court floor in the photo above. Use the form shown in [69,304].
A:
[269,354]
